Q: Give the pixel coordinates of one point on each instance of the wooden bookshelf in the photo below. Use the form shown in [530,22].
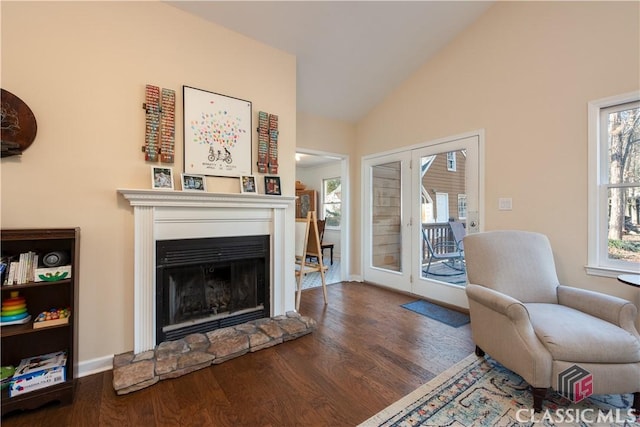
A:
[22,341]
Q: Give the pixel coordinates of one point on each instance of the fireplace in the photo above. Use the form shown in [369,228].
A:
[176,215]
[210,283]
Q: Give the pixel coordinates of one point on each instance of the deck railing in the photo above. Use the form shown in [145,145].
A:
[438,233]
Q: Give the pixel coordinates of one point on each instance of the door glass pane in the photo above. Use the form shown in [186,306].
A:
[443,216]
[386,216]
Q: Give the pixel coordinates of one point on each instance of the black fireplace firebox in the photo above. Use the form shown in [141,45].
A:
[210,283]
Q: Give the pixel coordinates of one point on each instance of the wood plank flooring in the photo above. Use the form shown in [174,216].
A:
[366,353]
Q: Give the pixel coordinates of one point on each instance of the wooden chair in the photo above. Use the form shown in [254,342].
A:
[305,229]
[312,252]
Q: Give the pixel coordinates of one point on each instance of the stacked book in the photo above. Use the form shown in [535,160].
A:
[23,270]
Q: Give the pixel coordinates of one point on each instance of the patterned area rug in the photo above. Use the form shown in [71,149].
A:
[481,392]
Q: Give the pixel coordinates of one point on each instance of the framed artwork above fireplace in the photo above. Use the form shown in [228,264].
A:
[217,134]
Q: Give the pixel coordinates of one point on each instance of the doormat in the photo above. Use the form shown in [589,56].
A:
[436,312]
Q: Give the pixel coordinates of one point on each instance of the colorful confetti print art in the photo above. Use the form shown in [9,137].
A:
[217,134]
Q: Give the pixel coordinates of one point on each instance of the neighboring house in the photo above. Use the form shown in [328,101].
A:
[443,187]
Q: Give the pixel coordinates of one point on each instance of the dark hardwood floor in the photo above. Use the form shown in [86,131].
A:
[366,353]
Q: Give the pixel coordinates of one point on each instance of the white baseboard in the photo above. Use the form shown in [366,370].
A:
[94,366]
[355,278]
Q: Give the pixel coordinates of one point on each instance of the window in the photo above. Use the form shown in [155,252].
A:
[462,206]
[614,185]
[451,161]
[332,201]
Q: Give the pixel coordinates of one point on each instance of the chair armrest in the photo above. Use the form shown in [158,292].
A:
[496,301]
[500,325]
[614,310]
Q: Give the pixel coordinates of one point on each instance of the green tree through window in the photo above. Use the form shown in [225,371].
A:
[332,201]
[623,135]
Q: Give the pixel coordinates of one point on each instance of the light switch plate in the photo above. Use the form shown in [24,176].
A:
[505,204]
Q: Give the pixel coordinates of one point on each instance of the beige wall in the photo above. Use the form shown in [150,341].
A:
[524,72]
[324,134]
[82,68]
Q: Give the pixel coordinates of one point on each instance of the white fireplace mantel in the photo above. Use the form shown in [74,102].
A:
[161,215]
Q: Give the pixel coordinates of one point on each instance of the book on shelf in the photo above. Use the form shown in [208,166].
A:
[22,270]
[34,373]
[13,272]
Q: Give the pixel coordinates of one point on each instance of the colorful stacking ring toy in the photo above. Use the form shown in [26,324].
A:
[14,317]
[6,311]
[14,308]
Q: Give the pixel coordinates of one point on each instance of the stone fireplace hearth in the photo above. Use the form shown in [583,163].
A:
[171,215]
[172,359]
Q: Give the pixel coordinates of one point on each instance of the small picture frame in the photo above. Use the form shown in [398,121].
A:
[248,184]
[161,178]
[193,182]
[272,185]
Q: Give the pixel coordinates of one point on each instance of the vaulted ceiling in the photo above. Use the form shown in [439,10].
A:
[350,54]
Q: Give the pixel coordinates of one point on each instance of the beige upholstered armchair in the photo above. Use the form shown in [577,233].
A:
[525,319]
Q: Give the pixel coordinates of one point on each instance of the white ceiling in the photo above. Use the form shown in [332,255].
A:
[308,160]
[350,54]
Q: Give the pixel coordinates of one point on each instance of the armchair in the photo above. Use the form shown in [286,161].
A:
[526,320]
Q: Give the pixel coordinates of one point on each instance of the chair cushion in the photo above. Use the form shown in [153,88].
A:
[574,336]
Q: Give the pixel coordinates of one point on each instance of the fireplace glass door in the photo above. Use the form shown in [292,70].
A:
[206,284]
[207,290]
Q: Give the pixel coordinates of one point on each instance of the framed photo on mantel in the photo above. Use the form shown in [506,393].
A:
[193,183]
[161,178]
[248,184]
[217,134]
[272,185]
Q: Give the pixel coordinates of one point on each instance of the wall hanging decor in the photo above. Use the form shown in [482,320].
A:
[267,143]
[152,117]
[217,134]
[168,121]
[263,141]
[159,140]
[273,143]
[19,125]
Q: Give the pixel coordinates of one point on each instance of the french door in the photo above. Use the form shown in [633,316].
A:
[416,202]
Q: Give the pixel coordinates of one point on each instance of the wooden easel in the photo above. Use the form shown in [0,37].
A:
[304,228]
